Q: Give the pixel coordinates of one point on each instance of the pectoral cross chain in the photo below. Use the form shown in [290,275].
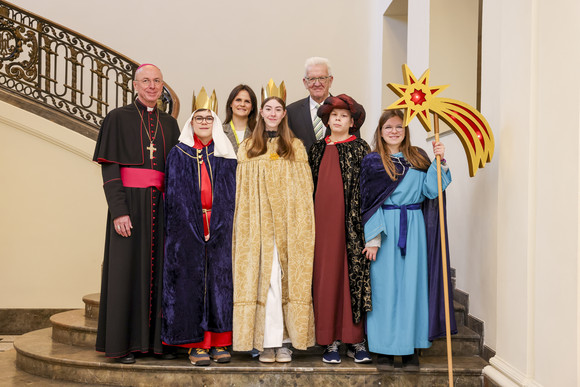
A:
[151,149]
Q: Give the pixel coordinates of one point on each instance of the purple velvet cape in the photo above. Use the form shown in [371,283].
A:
[197,275]
[376,187]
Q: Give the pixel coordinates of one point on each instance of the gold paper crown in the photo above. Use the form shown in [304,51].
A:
[204,102]
[273,91]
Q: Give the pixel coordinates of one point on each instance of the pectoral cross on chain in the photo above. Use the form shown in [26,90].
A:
[151,149]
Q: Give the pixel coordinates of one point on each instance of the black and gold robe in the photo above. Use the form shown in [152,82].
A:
[350,154]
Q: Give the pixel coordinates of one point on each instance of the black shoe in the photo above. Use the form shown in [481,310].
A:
[167,356]
[386,361]
[411,362]
[128,359]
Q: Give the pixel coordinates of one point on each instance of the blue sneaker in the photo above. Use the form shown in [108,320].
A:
[220,354]
[359,353]
[199,357]
[331,354]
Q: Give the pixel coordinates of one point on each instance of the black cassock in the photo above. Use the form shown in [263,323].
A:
[130,307]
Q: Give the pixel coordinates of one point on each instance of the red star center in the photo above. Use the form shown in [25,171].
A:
[418,97]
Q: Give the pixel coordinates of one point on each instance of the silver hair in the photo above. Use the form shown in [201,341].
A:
[316,60]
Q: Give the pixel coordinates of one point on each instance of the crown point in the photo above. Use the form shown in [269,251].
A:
[203,101]
[272,91]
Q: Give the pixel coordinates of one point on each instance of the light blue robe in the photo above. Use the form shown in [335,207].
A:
[399,321]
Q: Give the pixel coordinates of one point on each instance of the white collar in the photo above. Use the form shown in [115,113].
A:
[313,103]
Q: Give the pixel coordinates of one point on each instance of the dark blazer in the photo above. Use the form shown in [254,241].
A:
[300,122]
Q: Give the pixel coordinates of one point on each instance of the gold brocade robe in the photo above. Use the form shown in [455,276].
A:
[273,200]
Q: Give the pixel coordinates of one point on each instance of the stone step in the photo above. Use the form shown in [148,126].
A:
[74,328]
[11,376]
[39,355]
[460,313]
[465,343]
[92,302]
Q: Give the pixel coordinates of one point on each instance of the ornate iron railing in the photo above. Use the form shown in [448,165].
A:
[64,70]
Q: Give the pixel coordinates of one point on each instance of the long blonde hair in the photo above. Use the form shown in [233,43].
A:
[259,139]
[411,153]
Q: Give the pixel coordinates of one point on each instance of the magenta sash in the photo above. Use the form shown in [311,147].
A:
[143,178]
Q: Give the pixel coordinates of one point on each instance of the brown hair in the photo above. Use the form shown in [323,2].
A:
[411,153]
[259,139]
[253,112]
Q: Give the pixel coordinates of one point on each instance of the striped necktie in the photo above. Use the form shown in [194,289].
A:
[318,126]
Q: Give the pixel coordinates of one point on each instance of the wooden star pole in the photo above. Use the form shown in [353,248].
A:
[418,98]
[444,260]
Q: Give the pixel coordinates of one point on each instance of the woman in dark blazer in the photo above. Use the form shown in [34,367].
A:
[241,111]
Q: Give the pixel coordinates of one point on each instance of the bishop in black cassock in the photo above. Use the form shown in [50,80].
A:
[132,146]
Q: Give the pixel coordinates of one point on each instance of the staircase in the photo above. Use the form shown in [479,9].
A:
[66,352]
[62,75]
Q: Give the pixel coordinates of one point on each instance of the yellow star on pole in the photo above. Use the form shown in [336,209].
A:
[416,96]
[419,99]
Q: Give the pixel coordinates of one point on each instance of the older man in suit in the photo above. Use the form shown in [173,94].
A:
[302,116]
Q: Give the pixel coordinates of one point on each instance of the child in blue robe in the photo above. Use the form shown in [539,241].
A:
[396,180]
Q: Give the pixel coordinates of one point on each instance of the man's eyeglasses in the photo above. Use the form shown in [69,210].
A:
[200,119]
[146,82]
[312,81]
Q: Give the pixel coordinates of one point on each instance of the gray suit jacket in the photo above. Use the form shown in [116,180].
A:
[232,137]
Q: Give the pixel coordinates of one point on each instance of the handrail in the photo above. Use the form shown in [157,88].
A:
[59,68]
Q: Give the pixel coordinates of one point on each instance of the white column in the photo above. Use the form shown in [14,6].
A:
[530,91]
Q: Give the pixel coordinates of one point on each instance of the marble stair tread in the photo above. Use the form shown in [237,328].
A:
[458,307]
[74,320]
[93,298]
[464,332]
[82,362]
[11,376]
[465,343]
[74,328]
[92,302]
[459,311]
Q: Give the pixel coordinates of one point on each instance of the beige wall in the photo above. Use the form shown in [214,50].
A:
[453,36]
[53,213]
[213,44]
[219,44]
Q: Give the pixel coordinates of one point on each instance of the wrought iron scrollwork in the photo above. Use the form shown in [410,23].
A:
[64,70]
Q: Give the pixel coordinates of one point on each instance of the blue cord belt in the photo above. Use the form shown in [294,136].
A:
[402,222]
